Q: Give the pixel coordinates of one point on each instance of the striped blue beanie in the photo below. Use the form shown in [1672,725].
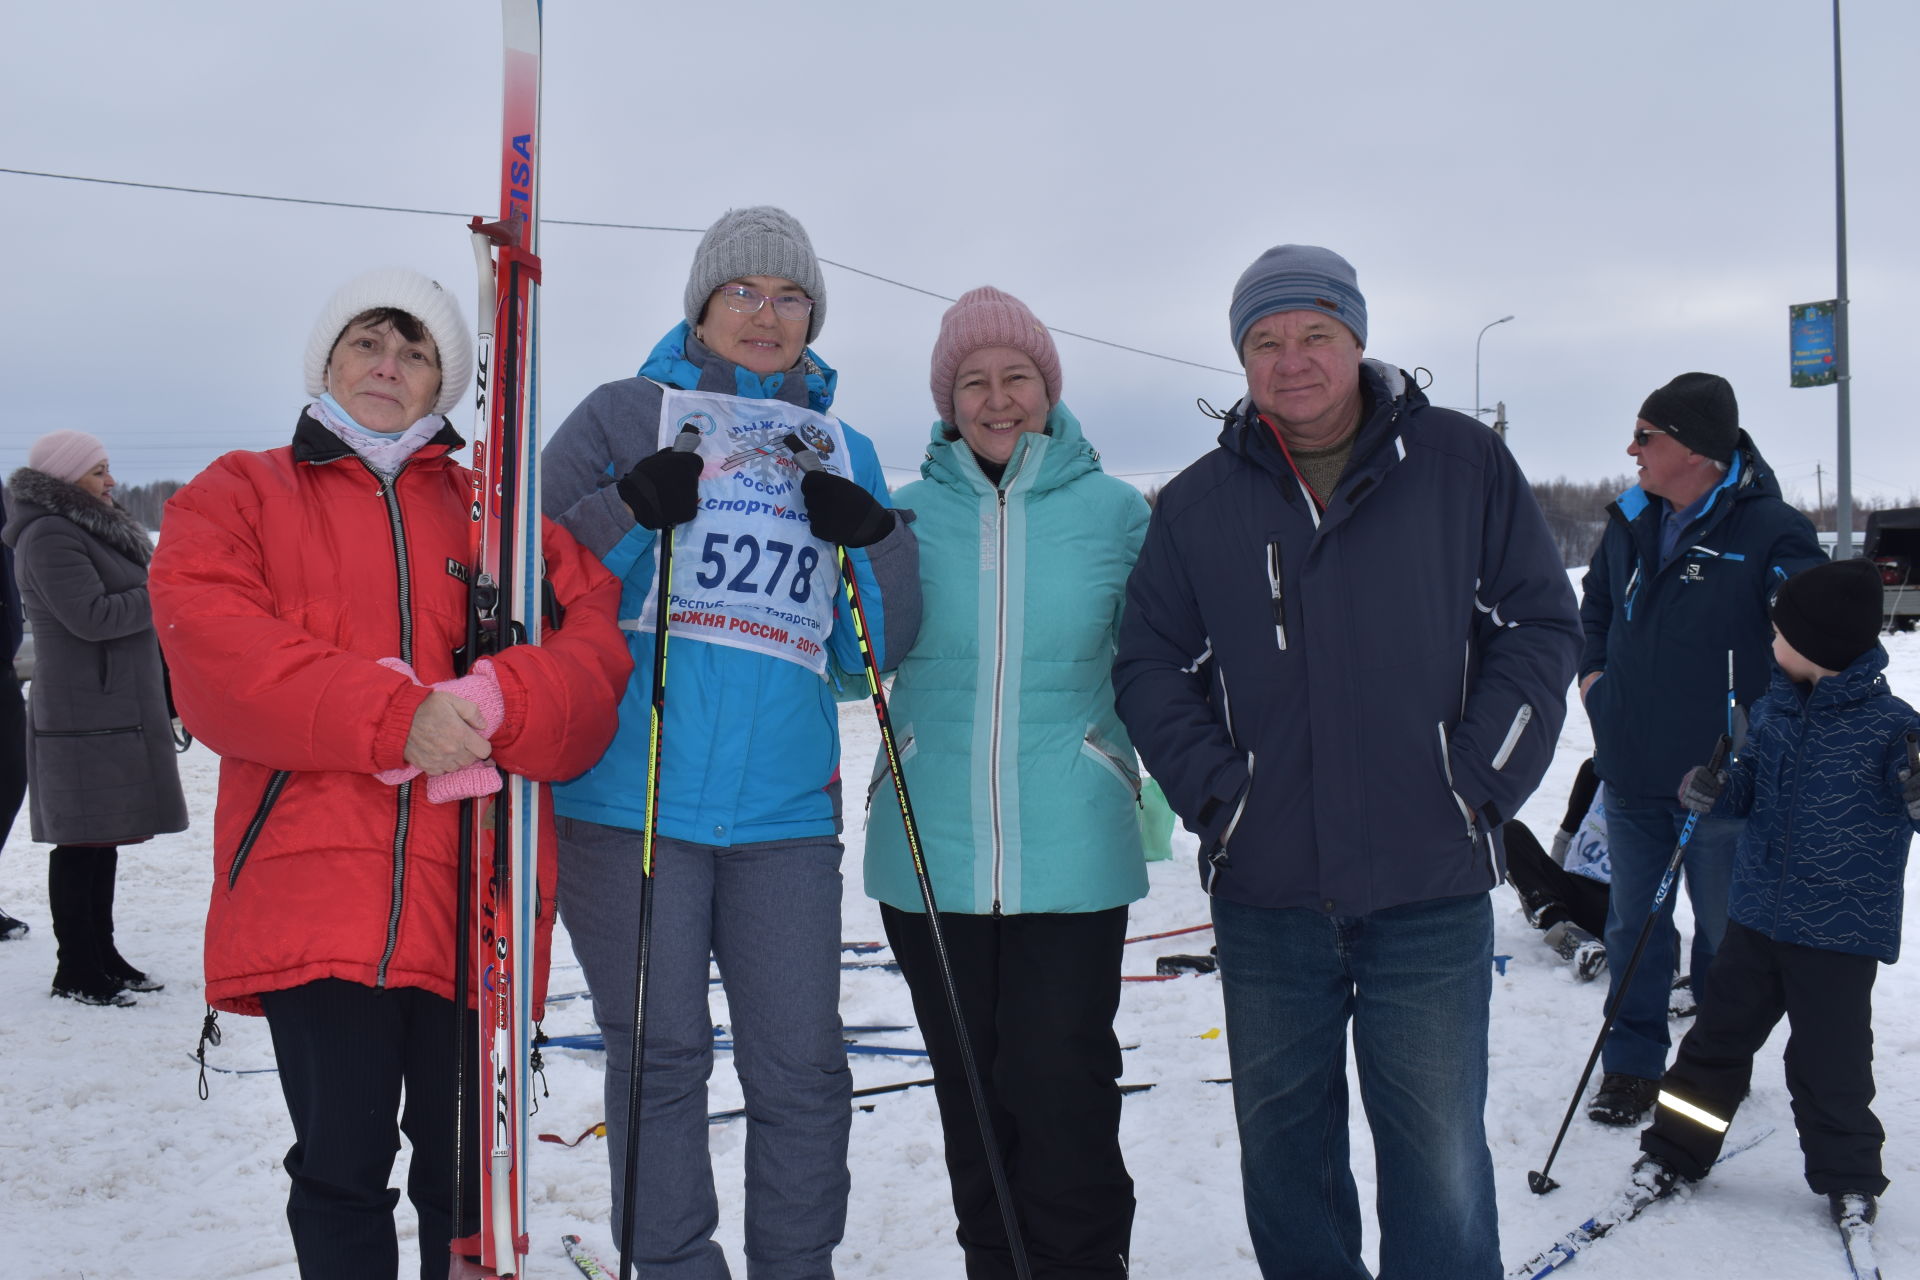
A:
[1298,277]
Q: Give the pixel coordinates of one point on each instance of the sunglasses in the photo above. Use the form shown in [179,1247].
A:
[1641,435]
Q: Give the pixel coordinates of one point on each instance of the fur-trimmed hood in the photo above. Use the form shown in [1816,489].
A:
[33,495]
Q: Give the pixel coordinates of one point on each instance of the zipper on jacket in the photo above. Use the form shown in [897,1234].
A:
[269,797]
[1279,601]
[1521,719]
[404,800]
[999,683]
[88,733]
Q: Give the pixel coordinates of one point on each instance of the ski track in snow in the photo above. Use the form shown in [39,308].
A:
[110,1165]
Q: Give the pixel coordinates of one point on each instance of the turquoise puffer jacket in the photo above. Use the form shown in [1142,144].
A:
[1022,779]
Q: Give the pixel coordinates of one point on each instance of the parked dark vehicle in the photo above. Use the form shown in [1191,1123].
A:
[1893,543]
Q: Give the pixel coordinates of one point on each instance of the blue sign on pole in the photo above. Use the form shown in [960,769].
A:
[1810,334]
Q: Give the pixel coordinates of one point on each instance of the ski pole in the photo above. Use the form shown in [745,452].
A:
[686,442]
[808,460]
[1538,1182]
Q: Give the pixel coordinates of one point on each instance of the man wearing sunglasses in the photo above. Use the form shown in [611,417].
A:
[1675,613]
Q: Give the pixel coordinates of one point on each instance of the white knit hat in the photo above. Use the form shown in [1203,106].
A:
[408,291]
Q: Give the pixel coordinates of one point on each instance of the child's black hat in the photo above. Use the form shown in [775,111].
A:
[1830,613]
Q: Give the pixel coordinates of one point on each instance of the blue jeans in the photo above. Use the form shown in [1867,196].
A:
[1415,981]
[1641,835]
[769,914]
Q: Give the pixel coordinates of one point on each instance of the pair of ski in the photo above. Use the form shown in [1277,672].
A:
[1624,1208]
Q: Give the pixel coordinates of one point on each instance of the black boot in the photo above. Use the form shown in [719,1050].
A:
[78,973]
[1622,1099]
[11,928]
[106,869]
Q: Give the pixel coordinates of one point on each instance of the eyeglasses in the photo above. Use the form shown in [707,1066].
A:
[788,306]
[1641,435]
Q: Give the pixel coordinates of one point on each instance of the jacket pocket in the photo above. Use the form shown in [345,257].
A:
[268,798]
[1446,772]
[1109,759]
[1521,719]
[880,770]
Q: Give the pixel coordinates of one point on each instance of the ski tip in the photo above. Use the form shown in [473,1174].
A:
[1540,1183]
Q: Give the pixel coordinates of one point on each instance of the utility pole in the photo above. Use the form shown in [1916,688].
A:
[1500,418]
[1820,487]
[1843,468]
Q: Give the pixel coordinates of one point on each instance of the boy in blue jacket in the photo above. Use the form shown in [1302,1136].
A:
[1827,782]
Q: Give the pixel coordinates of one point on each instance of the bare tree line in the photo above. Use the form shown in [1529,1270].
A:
[145,501]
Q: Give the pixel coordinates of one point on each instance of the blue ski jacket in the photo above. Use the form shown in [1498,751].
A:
[752,742]
[1823,858]
[1343,705]
[1662,634]
[1023,783]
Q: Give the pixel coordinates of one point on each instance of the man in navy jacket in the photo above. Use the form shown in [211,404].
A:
[1345,655]
[1675,614]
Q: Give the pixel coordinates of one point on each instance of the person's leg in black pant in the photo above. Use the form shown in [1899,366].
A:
[1057,1075]
[104,871]
[1830,1067]
[344,1050]
[79,968]
[1549,892]
[426,1117]
[973,945]
[13,775]
[1710,1074]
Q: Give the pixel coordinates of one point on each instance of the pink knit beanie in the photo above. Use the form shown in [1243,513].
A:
[68,455]
[986,317]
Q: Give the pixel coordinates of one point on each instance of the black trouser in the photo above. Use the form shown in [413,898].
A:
[80,900]
[13,751]
[1827,998]
[344,1052]
[1536,877]
[1039,993]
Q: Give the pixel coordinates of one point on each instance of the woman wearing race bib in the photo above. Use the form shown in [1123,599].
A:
[1025,789]
[747,868]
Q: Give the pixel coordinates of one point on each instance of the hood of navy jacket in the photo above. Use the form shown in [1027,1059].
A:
[1342,703]
[1671,639]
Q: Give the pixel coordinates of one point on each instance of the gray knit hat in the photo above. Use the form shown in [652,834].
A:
[761,241]
[404,290]
[1298,277]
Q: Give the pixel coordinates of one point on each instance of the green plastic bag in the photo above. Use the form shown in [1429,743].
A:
[1156,822]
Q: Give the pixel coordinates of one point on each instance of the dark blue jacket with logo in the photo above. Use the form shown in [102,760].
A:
[1824,855]
[1324,697]
[1662,634]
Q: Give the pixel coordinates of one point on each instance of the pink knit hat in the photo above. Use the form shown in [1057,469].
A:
[68,455]
[986,317]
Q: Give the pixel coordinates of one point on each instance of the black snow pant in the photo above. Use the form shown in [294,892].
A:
[80,881]
[1537,878]
[1827,997]
[1039,993]
[346,1054]
[13,751]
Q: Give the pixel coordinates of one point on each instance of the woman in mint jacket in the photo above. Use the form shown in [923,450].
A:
[1025,789]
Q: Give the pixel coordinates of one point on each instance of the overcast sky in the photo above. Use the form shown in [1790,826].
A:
[1646,185]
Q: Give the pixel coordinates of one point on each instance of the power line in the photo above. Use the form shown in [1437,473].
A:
[569,222]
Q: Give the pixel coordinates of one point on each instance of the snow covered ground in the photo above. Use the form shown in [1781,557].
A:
[111,1166]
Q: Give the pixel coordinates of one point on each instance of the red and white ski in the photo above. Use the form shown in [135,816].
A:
[502,840]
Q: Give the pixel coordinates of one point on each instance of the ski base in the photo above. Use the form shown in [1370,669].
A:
[590,1266]
[1856,1238]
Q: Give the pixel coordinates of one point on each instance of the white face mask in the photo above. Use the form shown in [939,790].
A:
[385,454]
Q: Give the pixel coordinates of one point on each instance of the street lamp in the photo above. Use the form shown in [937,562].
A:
[1477,410]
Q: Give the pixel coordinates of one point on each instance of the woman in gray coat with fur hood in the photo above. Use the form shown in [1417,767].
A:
[100,756]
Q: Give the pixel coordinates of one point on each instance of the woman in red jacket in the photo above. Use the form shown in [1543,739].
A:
[284,580]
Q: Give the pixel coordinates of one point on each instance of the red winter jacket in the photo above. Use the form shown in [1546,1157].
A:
[282,579]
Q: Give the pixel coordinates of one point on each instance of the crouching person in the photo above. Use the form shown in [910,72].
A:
[309,599]
[1827,784]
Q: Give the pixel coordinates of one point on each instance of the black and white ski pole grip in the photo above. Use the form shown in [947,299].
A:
[803,454]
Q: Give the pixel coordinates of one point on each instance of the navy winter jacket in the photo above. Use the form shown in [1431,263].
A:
[1661,634]
[1323,697]
[1824,856]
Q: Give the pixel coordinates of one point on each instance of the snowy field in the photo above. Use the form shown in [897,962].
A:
[111,1166]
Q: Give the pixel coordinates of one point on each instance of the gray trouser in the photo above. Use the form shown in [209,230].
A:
[770,915]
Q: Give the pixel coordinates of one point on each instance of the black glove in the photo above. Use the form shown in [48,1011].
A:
[1910,792]
[841,511]
[1700,790]
[663,489]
